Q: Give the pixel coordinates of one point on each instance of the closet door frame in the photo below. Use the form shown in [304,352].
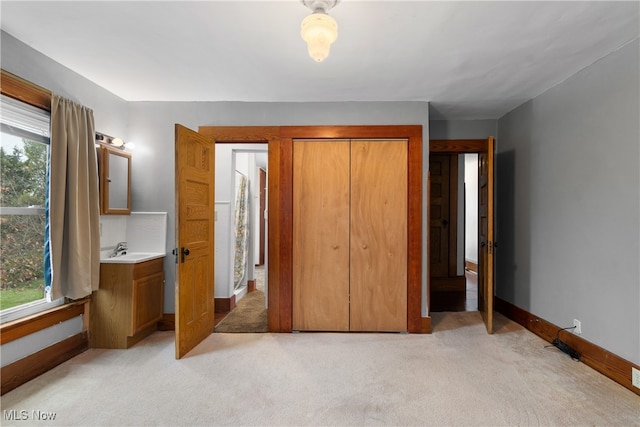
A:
[280,207]
[413,135]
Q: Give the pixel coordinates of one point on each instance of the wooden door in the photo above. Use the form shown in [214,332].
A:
[439,221]
[486,234]
[195,189]
[378,270]
[321,235]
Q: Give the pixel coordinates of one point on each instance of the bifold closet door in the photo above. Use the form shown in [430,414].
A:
[378,226]
[321,235]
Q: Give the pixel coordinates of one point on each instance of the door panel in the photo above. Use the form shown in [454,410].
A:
[195,188]
[378,271]
[321,235]
[486,237]
[439,219]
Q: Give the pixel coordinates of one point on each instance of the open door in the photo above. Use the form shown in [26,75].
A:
[486,234]
[195,188]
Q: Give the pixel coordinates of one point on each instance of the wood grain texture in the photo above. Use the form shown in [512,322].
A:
[224,305]
[280,194]
[453,215]
[414,229]
[168,322]
[378,251]
[148,295]
[275,229]
[240,134]
[105,181]
[439,171]
[25,91]
[414,270]
[195,197]
[26,369]
[486,234]
[128,303]
[453,146]
[321,235]
[24,326]
[448,284]
[603,361]
[425,325]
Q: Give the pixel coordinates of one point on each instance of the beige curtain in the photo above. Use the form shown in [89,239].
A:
[73,201]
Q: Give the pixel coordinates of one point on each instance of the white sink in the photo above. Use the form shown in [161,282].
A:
[132,257]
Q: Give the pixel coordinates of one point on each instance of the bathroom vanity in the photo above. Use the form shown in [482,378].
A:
[129,303]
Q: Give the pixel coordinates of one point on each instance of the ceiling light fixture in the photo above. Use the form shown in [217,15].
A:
[319,30]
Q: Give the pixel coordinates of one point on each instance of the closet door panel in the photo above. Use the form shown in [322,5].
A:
[321,235]
[378,271]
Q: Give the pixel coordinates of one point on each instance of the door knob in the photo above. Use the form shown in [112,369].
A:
[184,252]
[445,222]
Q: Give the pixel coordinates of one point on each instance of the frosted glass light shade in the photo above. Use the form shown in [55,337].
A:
[319,30]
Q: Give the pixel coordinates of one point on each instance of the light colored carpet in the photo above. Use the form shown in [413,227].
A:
[458,375]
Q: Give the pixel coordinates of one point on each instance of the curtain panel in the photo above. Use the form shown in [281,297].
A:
[73,202]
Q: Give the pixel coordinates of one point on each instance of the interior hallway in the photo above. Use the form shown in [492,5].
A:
[457,300]
[259,283]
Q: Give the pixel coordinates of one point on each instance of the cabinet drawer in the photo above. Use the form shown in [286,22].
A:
[147,268]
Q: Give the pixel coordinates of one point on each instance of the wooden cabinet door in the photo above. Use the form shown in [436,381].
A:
[148,301]
[378,256]
[321,235]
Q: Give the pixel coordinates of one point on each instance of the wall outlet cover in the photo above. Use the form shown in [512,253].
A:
[635,377]
[577,327]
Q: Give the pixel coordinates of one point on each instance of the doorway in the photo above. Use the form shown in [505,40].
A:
[448,152]
[241,171]
[453,232]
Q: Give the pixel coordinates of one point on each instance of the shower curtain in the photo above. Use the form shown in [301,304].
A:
[241,229]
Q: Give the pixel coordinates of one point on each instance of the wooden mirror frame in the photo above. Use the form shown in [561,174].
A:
[103,161]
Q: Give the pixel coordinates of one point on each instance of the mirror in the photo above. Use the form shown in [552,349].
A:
[115,181]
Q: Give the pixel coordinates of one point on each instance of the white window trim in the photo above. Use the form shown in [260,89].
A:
[28,309]
[36,121]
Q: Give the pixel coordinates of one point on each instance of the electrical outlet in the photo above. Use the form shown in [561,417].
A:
[635,377]
[578,327]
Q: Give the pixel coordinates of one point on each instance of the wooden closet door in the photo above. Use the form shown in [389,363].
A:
[378,271]
[321,235]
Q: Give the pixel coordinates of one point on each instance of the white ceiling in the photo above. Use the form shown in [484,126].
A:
[471,60]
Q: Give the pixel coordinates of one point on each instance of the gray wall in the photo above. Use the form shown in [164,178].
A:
[110,115]
[109,110]
[151,126]
[462,129]
[568,204]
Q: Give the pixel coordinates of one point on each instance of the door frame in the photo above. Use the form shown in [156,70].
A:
[280,206]
[455,146]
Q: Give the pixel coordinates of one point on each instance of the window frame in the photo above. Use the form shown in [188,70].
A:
[29,93]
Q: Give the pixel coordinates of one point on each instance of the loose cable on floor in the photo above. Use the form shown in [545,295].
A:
[564,347]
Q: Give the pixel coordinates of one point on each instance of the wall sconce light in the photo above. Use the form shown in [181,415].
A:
[319,30]
[114,142]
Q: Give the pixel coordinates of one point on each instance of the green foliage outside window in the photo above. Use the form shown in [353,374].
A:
[22,185]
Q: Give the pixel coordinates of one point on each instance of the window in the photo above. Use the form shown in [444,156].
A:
[24,148]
